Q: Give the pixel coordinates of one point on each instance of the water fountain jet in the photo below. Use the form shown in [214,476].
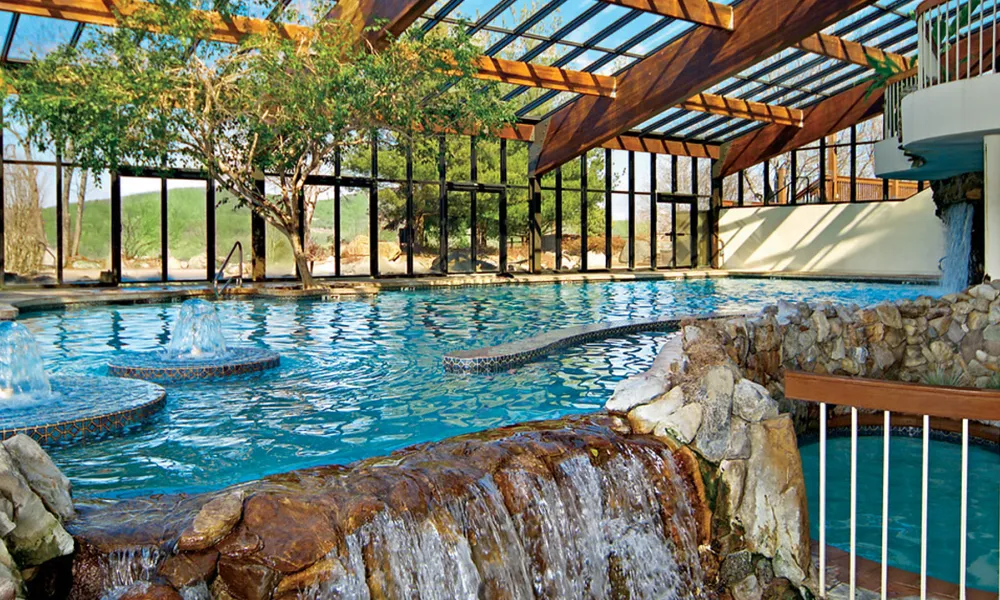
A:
[64,409]
[197,351]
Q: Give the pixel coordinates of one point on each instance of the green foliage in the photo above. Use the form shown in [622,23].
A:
[942,32]
[994,382]
[941,377]
[458,150]
[883,71]
[267,105]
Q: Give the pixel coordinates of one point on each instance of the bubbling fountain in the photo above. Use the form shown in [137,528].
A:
[75,407]
[22,374]
[197,351]
[198,333]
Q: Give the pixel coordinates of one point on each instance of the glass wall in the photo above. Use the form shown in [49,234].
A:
[187,230]
[142,231]
[422,205]
[86,201]
[232,224]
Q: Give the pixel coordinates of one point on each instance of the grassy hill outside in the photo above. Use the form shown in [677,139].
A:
[186,225]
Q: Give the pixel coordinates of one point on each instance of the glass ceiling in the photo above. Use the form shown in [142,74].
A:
[592,36]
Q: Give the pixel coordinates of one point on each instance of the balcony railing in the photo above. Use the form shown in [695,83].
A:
[956,39]
[951,407]
[892,123]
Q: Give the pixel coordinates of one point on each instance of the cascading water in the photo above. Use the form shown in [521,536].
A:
[955,266]
[22,373]
[558,509]
[584,531]
[198,332]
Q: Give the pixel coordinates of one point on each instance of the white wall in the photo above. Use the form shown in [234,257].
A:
[873,238]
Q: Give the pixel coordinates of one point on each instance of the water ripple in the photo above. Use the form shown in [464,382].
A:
[363,377]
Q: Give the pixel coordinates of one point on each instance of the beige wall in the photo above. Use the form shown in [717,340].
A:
[874,238]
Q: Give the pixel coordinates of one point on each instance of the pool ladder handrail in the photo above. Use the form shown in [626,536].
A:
[222,271]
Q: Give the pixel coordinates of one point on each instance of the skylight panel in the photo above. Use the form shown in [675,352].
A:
[37,36]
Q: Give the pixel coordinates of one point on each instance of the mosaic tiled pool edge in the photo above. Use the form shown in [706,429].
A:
[130,401]
[151,366]
[494,359]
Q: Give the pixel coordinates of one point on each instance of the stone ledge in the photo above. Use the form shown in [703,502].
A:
[8,312]
[494,359]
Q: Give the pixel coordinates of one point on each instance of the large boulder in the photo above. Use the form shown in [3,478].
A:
[38,536]
[774,509]
[715,394]
[635,391]
[42,475]
[681,425]
[752,403]
[646,417]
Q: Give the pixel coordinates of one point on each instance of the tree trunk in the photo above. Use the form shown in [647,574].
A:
[301,260]
[81,193]
[64,201]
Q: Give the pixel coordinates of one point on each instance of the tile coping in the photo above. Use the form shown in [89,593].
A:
[72,416]
[15,300]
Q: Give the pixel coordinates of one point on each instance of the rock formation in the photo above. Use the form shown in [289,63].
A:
[566,509]
[34,502]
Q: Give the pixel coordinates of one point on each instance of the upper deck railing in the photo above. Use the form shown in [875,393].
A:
[956,39]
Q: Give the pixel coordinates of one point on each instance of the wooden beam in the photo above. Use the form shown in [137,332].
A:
[821,120]
[392,17]
[894,396]
[702,12]
[683,69]
[231,30]
[225,29]
[743,109]
[525,132]
[654,145]
[542,76]
[833,114]
[852,52]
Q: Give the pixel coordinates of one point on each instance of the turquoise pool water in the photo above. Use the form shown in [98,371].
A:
[944,493]
[361,378]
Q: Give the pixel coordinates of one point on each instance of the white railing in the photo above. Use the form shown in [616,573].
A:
[887,398]
[956,39]
[892,123]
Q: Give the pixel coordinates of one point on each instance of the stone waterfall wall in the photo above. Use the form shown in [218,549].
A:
[718,388]
[575,508]
[35,501]
[695,396]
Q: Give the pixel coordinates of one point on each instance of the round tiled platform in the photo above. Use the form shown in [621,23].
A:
[84,407]
[154,366]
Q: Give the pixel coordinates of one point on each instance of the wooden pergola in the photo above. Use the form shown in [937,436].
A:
[719,72]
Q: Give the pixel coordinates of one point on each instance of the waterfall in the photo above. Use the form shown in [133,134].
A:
[556,509]
[582,531]
[958,240]
[128,566]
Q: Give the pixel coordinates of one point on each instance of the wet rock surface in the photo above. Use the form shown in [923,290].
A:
[34,502]
[563,509]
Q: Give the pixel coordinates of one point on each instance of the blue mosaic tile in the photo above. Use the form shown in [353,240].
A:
[83,408]
[154,366]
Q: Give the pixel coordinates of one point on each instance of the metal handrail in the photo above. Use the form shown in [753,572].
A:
[222,271]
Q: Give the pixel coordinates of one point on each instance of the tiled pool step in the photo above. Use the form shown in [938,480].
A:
[494,359]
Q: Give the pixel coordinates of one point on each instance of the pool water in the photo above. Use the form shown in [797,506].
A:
[944,502]
[363,377]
